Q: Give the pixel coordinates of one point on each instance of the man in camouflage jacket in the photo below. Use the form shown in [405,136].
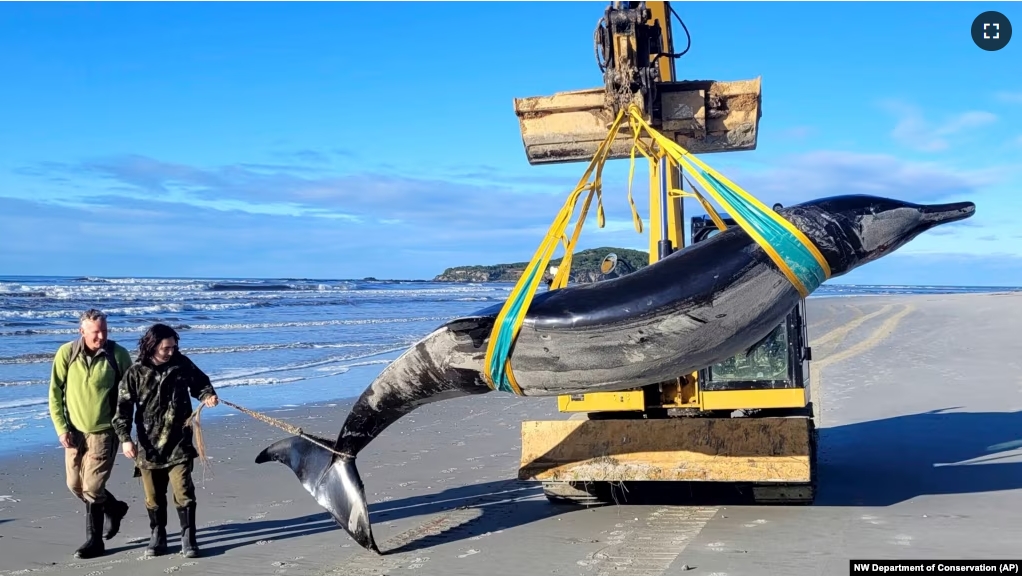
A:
[155,394]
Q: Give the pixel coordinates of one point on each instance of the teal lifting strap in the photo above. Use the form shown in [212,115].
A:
[795,253]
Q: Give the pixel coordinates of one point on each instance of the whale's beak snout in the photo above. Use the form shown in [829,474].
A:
[937,214]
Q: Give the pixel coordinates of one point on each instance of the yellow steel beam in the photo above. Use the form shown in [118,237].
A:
[595,402]
[661,11]
[754,399]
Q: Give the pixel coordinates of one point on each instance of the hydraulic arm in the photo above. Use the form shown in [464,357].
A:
[634,51]
[679,430]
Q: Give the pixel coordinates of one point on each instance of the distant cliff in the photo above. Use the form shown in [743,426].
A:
[585,267]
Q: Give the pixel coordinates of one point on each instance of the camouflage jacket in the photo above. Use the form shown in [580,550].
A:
[157,400]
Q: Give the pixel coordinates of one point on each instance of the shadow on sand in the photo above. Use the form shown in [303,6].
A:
[871,464]
[219,539]
[887,461]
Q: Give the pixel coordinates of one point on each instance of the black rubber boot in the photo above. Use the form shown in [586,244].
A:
[115,511]
[93,547]
[189,548]
[158,540]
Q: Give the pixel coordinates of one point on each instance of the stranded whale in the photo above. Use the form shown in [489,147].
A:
[696,307]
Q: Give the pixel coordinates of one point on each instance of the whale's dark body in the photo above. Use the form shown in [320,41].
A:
[699,306]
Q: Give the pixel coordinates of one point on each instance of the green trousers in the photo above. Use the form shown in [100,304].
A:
[178,477]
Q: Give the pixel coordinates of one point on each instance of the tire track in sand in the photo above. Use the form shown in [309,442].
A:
[652,547]
[831,311]
[647,549]
[842,331]
[443,528]
[875,338]
[427,535]
[831,336]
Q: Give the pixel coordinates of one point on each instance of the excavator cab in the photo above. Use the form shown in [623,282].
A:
[778,362]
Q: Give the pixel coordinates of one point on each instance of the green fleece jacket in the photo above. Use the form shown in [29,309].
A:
[84,394]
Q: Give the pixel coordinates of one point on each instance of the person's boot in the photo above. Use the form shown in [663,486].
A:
[189,548]
[115,511]
[93,546]
[158,525]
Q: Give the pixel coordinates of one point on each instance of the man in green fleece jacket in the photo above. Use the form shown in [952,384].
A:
[83,398]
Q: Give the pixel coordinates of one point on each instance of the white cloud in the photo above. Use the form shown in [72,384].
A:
[353,196]
[473,201]
[914,131]
[482,217]
[802,177]
[1011,97]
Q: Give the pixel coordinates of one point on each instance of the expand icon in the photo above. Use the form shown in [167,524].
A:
[991,31]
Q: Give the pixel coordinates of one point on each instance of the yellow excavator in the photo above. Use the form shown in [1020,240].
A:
[747,420]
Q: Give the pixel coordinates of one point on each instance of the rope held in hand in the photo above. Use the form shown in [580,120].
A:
[200,446]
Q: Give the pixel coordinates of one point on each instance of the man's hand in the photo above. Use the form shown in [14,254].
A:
[128,448]
[211,401]
[65,440]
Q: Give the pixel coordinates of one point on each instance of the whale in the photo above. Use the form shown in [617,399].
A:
[696,307]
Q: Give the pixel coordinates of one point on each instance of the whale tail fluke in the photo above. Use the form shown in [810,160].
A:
[332,480]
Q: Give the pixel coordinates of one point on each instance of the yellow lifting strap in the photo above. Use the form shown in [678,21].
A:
[789,248]
[793,253]
[509,320]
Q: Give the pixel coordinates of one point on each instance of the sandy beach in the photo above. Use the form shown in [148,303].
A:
[917,398]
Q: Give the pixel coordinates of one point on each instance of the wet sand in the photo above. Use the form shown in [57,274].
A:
[917,397]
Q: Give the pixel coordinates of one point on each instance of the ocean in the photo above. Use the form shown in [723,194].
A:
[265,343]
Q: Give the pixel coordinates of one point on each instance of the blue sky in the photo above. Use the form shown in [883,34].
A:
[325,140]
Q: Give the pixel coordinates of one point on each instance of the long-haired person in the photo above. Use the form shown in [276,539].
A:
[155,395]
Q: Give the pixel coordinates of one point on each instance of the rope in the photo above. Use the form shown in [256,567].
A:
[200,445]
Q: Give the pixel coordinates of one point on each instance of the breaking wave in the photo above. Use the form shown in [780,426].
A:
[31,358]
[231,326]
[18,403]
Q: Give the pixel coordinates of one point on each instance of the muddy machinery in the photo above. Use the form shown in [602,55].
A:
[747,420]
